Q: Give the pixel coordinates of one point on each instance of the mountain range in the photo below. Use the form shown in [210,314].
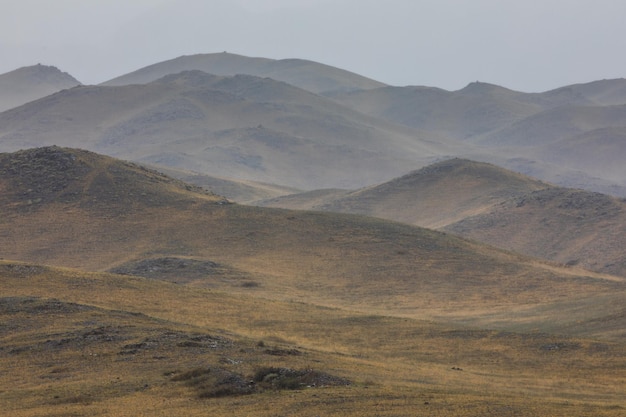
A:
[570,136]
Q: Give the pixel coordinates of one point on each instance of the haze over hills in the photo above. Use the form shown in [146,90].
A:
[240,127]
[96,214]
[429,123]
[492,205]
[30,83]
[308,75]
[510,125]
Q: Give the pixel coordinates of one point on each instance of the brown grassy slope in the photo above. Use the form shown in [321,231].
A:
[31,83]
[98,344]
[570,226]
[309,75]
[103,214]
[240,127]
[434,196]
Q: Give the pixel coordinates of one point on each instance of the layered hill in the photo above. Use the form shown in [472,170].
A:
[434,196]
[100,214]
[30,83]
[492,205]
[308,75]
[240,127]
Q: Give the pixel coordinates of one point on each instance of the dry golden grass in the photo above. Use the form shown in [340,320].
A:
[400,311]
[397,365]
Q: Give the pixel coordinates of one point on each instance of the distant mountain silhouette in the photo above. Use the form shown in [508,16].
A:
[309,75]
[30,83]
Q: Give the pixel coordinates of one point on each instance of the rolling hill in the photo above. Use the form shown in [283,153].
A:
[492,205]
[574,227]
[240,127]
[434,196]
[95,213]
[308,75]
[26,84]
[125,291]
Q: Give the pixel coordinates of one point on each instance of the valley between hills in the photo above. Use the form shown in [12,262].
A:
[225,235]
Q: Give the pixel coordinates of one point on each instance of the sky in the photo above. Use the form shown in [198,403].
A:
[530,46]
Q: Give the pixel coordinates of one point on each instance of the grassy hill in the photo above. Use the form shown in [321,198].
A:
[302,303]
[573,227]
[308,75]
[492,205]
[104,214]
[26,84]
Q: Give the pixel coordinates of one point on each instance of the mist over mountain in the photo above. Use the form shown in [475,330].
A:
[244,127]
[30,83]
[308,75]
[306,125]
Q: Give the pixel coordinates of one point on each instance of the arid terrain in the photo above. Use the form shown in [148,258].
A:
[179,300]
[245,236]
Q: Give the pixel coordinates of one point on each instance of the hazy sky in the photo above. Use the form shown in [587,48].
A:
[531,45]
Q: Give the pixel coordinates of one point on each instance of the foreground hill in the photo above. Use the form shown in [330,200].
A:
[491,205]
[98,214]
[30,83]
[77,343]
[241,127]
[204,297]
[308,75]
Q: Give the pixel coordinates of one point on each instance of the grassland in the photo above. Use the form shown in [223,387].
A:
[116,347]
[416,321]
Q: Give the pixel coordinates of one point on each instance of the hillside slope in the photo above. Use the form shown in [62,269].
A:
[491,205]
[100,217]
[573,227]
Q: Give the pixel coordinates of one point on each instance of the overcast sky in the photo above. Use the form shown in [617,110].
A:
[531,45]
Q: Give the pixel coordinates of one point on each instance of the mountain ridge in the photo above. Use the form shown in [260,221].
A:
[305,74]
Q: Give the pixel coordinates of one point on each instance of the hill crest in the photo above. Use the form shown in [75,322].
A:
[309,75]
[26,84]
